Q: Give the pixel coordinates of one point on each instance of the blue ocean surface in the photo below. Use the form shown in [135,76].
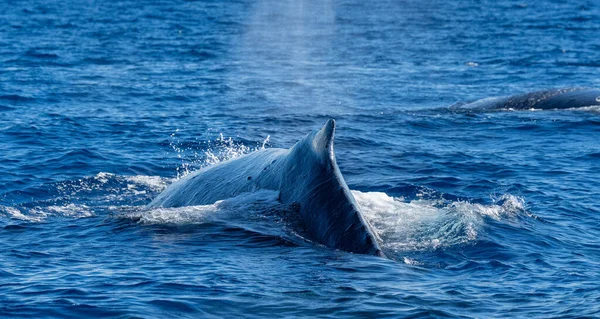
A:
[480,214]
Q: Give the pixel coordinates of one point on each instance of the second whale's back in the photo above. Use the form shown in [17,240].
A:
[553,99]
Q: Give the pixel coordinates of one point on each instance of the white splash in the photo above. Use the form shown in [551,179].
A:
[103,177]
[224,149]
[210,152]
[426,224]
[155,183]
[412,262]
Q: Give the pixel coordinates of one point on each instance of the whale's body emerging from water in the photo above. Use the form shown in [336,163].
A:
[306,174]
[553,99]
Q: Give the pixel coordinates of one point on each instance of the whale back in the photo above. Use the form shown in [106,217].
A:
[313,180]
[307,175]
[223,180]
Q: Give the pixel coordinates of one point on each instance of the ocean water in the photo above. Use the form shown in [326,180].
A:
[481,214]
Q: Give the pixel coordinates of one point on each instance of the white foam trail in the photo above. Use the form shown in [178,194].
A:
[69,210]
[592,108]
[40,214]
[102,189]
[425,224]
[17,214]
[107,186]
[226,149]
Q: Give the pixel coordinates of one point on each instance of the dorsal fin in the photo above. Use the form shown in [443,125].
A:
[329,211]
[322,140]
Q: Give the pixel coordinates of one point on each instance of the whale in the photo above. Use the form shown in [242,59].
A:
[305,175]
[551,99]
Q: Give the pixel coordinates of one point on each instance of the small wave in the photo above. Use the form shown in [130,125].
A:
[16,98]
[41,55]
[103,61]
[82,155]
[202,54]
[431,224]
[593,156]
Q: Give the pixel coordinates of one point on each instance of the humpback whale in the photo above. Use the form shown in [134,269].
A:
[552,99]
[305,175]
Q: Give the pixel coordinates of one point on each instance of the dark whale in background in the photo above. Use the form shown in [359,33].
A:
[306,174]
[553,99]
